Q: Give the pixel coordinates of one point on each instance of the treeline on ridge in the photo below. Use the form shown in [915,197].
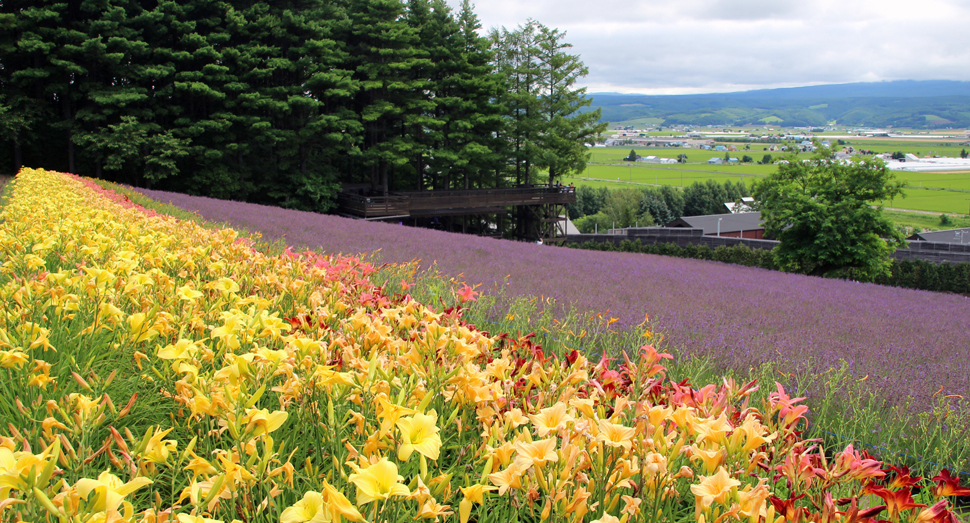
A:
[603,208]
[282,102]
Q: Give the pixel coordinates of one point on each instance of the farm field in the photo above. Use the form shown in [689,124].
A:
[932,201]
[925,221]
[925,147]
[647,174]
[304,387]
[606,169]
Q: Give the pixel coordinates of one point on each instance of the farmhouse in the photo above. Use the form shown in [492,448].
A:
[743,206]
[655,159]
[716,161]
[740,225]
[947,236]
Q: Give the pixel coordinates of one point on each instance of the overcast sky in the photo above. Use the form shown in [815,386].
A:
[700,46]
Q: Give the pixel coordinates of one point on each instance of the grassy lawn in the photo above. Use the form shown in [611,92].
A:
[923,221]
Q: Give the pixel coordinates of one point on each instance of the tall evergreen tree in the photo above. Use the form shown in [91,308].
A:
[566,131]
[382,50]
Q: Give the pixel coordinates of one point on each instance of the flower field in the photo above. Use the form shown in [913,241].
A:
[156,371]
[909,346]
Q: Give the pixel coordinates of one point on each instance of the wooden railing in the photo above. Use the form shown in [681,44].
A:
[427,202]
[373,206]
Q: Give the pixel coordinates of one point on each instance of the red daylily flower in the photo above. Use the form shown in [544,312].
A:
[896,502]
[947,485]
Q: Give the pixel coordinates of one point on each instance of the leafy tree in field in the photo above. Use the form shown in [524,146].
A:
[652,202]
[632,157]
[766,159]
[963,153]
[674,198]
[822,212]
[621,209]
[697,198]
[746,159]
[681,158]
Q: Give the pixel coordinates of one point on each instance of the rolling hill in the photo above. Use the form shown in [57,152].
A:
[905,103]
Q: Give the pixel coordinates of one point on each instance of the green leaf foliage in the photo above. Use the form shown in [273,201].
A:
[822,212]
[282,102]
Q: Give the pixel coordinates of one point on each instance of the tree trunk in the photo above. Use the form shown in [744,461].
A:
[18,157]
[66,107]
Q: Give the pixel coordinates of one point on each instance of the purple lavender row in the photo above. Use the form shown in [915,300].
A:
[908,342]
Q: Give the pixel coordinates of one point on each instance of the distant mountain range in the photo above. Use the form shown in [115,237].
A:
[904,103]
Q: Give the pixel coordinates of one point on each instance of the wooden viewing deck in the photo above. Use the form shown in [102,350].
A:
[453,202]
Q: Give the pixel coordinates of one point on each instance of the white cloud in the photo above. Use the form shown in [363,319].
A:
[722,45]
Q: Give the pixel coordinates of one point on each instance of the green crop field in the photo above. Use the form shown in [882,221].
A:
[959,181]
[917,147]
[941,192]
[932,200]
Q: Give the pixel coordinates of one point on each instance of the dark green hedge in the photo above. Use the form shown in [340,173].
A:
[911,274]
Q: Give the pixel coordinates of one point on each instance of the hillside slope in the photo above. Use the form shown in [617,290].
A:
[917,104]
[738,315]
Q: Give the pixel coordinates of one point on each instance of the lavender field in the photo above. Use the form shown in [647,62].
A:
[909,343]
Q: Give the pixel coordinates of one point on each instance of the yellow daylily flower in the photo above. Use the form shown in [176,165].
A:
[473,494]
[551,419]
[140,332]
[507,478]
[310,509]
[390,413]
[712,459]
[431,509]
[419,433]
[615,435]
[537,453]
[261,421]
[181,350]
[713,489]
[378,481]
[188,293]
[109,490]
[223,285]
[158,450]
[339,504]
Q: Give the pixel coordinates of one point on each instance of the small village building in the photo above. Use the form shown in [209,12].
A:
[743,206]
[740,225]
[947,236]
[716,161]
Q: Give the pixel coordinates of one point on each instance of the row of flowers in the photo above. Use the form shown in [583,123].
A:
[154,370]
